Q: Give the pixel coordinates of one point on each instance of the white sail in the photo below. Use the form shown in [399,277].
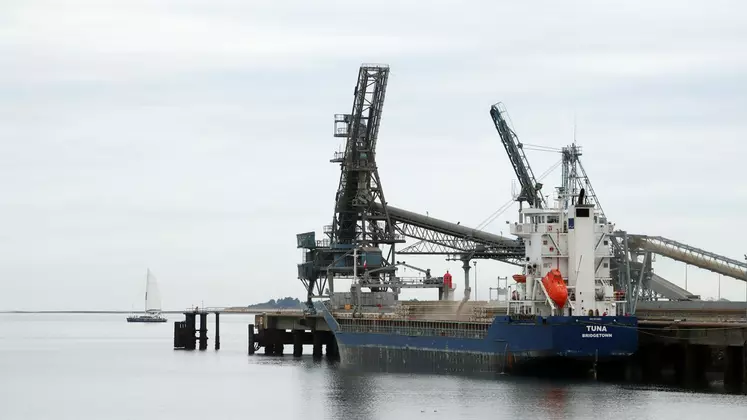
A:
[152,295]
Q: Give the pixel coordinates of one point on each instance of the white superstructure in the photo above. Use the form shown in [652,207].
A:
[574,241]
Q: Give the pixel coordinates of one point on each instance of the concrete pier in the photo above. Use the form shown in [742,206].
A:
[690,355]
[272,331]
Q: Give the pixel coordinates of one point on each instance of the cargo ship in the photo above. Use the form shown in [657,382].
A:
[561,313]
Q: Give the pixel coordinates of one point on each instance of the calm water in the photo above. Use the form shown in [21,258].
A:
[99,367]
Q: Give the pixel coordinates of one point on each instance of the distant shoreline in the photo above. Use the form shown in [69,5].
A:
[271,305]
[229,311]
[78,312]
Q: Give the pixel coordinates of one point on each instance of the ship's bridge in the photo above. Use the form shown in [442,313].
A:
[533,220]
[552,220]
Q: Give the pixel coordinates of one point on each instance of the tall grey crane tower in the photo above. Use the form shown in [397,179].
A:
[361,221]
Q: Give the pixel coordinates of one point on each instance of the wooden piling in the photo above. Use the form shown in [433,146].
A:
[186,332]
[217,331]
[298,337]
[203,331]
[250,339]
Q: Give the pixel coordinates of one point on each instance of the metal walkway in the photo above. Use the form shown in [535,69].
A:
[690,255]
[439,237]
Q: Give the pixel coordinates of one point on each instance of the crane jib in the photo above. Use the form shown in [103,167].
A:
[530,188]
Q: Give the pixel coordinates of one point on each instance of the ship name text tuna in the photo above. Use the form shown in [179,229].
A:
[596,331]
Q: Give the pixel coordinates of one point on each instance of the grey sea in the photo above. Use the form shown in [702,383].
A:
[80,367]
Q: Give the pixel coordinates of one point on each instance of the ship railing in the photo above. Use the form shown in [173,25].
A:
[417,327]
[205,309]
[524,306]
[410,280]
[417,281]
[519,307]
[367,315]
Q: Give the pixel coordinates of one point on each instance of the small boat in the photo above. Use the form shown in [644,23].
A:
[152,303]
[520,278]
[555,287]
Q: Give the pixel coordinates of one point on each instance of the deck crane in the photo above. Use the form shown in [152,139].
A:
[574,178]
[530,188]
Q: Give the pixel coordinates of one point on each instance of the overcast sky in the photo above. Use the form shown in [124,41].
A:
[194,137]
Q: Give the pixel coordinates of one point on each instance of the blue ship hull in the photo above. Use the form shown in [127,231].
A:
[547,345]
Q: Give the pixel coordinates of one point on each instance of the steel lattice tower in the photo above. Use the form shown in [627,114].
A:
[361,219]
[360,188]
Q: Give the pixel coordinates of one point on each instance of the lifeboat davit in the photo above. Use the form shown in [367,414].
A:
[556,287]
[520,278]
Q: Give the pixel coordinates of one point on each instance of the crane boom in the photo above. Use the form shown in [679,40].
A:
[530,188]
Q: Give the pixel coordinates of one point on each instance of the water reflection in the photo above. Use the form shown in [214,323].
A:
[350,394]
[104,364]
[555,402]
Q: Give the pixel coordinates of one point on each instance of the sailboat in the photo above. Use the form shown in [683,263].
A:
[152,302]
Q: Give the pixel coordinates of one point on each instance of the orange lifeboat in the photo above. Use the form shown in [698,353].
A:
[520,278]
[556,287]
